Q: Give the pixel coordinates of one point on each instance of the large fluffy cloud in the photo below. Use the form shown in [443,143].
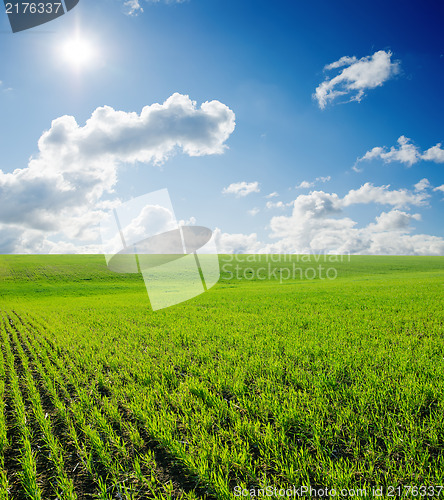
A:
[61,189]
[152,135]
[356,77]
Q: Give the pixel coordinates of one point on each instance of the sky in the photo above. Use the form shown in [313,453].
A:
[287,127]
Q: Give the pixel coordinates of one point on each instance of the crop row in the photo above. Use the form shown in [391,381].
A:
[79,436]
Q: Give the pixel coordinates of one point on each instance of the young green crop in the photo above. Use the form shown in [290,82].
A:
[27,459]
[289,380]
[4,485]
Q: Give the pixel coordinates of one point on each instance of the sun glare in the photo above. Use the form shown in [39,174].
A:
[78,52]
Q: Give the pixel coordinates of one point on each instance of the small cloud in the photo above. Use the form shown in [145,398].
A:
[435,153]
[323,179]
[344,61]
[398,198]
[132,8]
[304,185]
[189,222]
[277,204]
[241,189]
[439,188]
[422,185]
[253,211]
[395,220]
[272,195]
[236,243]
[405,152]
[357,76]
[308,184]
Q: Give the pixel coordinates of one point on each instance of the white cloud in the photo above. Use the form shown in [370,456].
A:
[435,153]
[137,225]
[241,189]
[323,179]
[393,221]
[157,218]
[317,204]
[272,195]
[422,185]
[304,185]
[357,76]
[343,61]
[189,222]
[310,184]
[405,152]
[275,204]
[439,188]
[236,243]
[254,211]
[318,224]
[389,243]
[132,7]
[368,193]
[314,226]
[61,189]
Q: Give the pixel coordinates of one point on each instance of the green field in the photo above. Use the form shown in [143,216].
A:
[332,383]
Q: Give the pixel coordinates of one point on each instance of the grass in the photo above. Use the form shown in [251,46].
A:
[268,379]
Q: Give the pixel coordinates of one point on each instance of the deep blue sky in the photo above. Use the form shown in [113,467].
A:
[264,61]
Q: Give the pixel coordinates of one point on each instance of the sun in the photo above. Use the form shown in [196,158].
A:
[78,52]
